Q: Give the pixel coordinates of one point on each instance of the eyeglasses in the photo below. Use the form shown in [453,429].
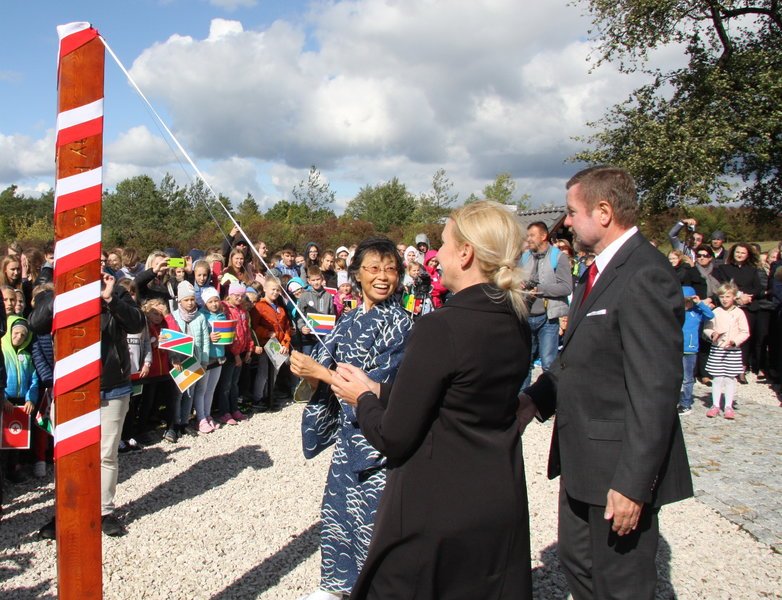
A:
[375,269]
[699,255]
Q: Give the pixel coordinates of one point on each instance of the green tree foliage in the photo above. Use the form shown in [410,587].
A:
[691,134]
[386,205]
[25,217]
[434,205]
[314,192]
[248,210]
[503,189]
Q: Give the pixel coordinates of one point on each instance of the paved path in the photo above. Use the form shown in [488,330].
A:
[737,465]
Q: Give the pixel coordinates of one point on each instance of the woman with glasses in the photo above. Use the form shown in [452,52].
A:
[453,521]
[372,338]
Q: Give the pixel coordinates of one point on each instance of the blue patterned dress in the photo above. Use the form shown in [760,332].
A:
[373,341]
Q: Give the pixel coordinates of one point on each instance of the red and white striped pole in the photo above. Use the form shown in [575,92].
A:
[77,307]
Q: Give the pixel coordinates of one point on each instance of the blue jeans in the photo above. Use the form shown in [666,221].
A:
[545,341]
[688,364]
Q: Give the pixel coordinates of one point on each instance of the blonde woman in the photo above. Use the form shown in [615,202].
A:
[453,520]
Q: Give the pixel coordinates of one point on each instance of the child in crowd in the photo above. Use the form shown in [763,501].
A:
[727,331]
[412,273]
[313,300]
[344,301]
[140,350]
[9,300]
[189,321]
[202,278]
[21,389]
[696,312]
[270,320]
[42,350]
[21,303]
[439,291]
[158,386]
[204,389]
[236,354]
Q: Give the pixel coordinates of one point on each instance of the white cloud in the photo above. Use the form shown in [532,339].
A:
[22,157]
[368,90]
[139,147]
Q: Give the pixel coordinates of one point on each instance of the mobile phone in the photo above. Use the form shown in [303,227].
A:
[176,262]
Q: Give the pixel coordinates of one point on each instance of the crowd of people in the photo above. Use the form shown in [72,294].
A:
[346,331]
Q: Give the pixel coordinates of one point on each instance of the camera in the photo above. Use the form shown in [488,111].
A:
[422,285]
[530,285]
[176,262]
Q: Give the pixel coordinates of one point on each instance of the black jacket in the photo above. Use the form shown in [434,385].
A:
[118,318]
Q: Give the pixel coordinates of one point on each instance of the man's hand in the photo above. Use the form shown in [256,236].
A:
[690,222]
[28,407]
[624,512]
[526,412]
[144,371]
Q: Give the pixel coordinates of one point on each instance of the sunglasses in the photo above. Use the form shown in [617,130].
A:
[699,255]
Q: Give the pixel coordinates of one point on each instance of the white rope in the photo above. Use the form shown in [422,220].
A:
[269,271]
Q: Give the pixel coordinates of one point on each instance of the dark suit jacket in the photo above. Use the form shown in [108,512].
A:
[615,385]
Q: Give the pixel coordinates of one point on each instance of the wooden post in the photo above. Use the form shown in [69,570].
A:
[77,305]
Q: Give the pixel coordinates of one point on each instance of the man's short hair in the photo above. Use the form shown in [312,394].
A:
[540,225]
[705,249]
[314,271]
[612,184]
[288,248]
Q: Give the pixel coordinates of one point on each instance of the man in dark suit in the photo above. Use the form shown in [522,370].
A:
[617,441]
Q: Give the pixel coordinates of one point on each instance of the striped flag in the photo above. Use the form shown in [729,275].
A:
[321,323]
[191,372]
[227,331]
[175,341]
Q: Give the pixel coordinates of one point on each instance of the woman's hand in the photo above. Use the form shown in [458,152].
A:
[144,371]
[214,336]
[350,382]
[310,369]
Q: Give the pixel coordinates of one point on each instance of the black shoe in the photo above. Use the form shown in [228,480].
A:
[145,439]
[48,531]
[134,446]
[684,410]
[170,436]
[123,447]
[111,526]
[742,379]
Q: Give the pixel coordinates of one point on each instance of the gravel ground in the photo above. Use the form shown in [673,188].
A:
[235,515]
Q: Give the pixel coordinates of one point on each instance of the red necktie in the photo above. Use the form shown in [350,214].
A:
[591,276]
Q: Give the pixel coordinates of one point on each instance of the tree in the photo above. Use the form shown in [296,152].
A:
[502,190]
[691,134]
[386,205]
[434,205]
[134,214]
[248,210]
[315,192]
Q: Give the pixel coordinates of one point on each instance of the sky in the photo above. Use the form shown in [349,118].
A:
[366,90]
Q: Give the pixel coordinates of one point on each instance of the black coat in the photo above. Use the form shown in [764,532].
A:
[453,520]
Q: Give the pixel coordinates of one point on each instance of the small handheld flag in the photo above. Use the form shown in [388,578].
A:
[15,427]
[175,341]
[190,373]
[227,331]
[321,323]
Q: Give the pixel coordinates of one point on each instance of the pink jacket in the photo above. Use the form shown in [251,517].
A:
[731,324]
[243,341]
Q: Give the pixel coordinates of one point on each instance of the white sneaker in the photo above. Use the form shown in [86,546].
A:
[321,595]
[39,469]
